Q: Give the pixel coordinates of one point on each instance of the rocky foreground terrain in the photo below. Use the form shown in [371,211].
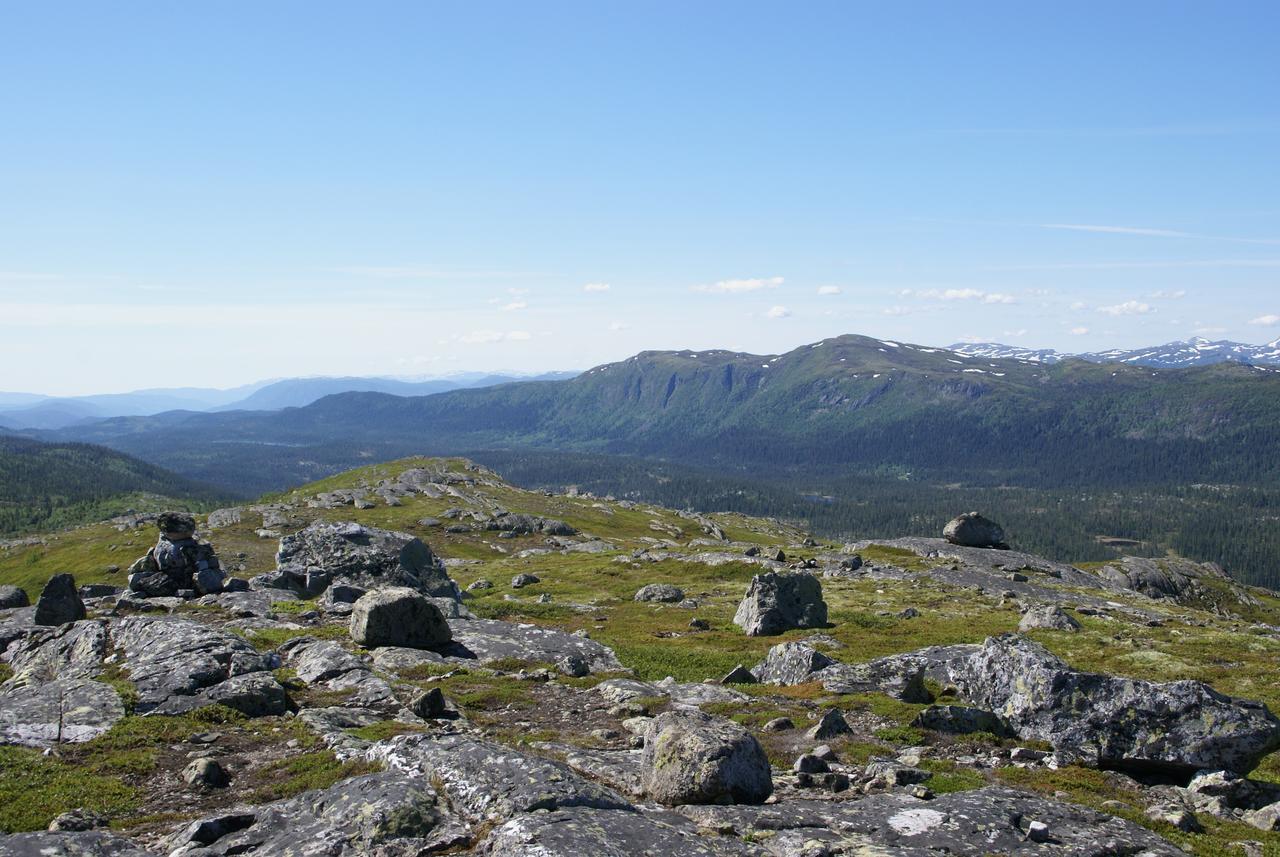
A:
[417,658]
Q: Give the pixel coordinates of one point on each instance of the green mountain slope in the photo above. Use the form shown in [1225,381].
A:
[44,485]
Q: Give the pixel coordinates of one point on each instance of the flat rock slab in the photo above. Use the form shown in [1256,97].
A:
[253,603]
[963,824]
[70,709]
[582,831]
[178,666]
[90,843]
[326,663]
[493,639]
[488,782]
[75,650]
[386,814]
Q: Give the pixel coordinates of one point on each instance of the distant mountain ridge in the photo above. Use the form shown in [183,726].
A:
[31,411]
[1197,351]
[845,405]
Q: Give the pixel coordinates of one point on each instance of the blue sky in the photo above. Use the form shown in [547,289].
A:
[248,190]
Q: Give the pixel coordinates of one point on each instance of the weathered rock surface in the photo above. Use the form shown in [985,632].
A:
[972,530]
[1178,727]
[178,665]
[488,782]
[398,616]
[693,757]
[976,823]
[65,709]
[582,831]
[59,602]
[798,662]
[326,663]
[777,602]
[362,556]
[386,814]
[493,639]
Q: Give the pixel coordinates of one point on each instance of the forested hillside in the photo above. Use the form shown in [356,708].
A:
[46,486]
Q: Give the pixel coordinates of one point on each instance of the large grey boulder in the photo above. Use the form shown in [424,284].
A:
[398,617]
[13,596]
[661,592]
[386,814]
[1176,727]
[776,602]
[312,558]
[487,782]
[790,663]
[59,602]
[974,531]
[1049,617]
[692,757]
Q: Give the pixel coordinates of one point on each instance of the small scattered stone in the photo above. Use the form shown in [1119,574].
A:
[1038,831]
[779,724]
[78,820]
[13,596]
[522,580]
[204,738]
[739,675]
[59,602]
[1178,816]
[574,666]
[830,725]
[660,592]
[429,705]
[481,584]
[700,624]
[810,764]
[909,613]
[207,773]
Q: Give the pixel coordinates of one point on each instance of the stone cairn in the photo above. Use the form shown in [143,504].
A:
[179,565]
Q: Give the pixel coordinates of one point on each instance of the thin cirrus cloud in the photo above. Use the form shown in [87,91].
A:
[778,312]
[730,287]
[1269,320]
[828,290]
[490,337]
[596,287]
[515,305]
[1078,331]
[1149,232]
[1127,308]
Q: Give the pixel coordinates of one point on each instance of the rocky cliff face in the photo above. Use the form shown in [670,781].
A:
[379,687]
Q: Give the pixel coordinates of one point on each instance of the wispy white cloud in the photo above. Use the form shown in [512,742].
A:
[515,305]
[961,295]
[1078,331]
[596,287]
[739,286]
[778,312]
[828,290]
[1266,320]
[1165,294]
[1127,308]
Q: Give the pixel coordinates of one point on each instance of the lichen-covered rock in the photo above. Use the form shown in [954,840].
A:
[361,556]
[87,843]
[493,639]
[178,665]
[582,831]
[798,662]
[1048,617]
[991,820]
[960,720]
[74,650]
[326,663]
[398,617]
[660,592]
[387,814]
[1179,727]
[790,663]
[59,602]
[974,531]
[692,757]
[488,782]
[776,602]
[62,710]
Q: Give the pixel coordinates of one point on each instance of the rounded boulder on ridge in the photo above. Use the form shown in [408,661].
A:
[398,616]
